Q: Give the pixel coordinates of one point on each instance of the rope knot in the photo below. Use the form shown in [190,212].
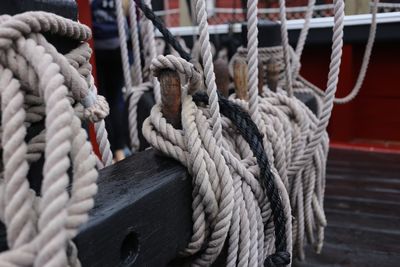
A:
[98,110]
[180,65]
[278,259]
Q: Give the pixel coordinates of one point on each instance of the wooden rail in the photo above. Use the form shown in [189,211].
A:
[142,213]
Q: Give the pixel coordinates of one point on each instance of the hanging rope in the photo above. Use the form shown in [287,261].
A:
[36,83]
[367,55]
[137,64]
[252,58]
[285,44]
[154,133]
[148,38]
[303,37]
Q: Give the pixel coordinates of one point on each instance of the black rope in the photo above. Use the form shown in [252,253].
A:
[158,23]
[248,129]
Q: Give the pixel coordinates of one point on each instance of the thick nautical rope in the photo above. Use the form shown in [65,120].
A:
[367,55]
[133,89]
[148,39]
[123,43]
[299,154]
[179,66]
[249,130]
[30,70]
[303,37]
[171,142]
[159,24]
[252,58]
[285,45]
[208,67]
[137,61]
[133,97]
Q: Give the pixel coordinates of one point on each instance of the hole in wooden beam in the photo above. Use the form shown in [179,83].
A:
[129,249]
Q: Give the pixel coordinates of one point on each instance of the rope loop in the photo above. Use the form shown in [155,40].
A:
[180,65]
[37,83]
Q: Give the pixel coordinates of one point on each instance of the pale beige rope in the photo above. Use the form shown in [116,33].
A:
[123,43]
[249,241]
[285,45]
[149,49]
[364,65]
[303,37]
[297,181]
[137,62]
[134,95]
[252,59]
[131,92]
[56,214]
[208,67]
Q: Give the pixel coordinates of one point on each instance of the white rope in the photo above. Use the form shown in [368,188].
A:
[122,42]
[137,64]
[303,37]
[297,138]
[285,45]
[207,60]
[228,199]
[364,65]
[149,47]
[33,73]
[252,58]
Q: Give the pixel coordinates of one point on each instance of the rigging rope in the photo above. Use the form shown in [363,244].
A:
[36,83]
[295,140]
[150,129]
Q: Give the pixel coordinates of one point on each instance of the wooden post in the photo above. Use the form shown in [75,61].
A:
[222,76]
[272,75]
[171,96]
[240,78]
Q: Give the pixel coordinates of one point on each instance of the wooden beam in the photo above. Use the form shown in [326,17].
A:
[142,214]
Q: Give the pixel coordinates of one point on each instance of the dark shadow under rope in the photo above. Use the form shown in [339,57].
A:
[248,129]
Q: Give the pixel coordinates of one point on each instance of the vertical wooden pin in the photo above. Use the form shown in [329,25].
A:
[171,97]
[261,74]
[222,76]
[272,75]
[240,78]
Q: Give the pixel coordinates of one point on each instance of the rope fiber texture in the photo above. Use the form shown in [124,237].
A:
[38,84]
[294,139]
[150,128]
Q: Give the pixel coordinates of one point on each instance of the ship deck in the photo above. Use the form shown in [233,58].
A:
[362,205]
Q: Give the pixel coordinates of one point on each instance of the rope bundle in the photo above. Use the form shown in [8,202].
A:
[294,138]
[227,182]
[231,184]
[38,83]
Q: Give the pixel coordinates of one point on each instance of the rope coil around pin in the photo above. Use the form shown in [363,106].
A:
[150,131]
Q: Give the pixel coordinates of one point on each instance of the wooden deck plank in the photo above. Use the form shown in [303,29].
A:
[362,205]
[354,220]
[342,256]
[380,194]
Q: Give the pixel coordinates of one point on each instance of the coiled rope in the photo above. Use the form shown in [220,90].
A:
[295,139]
[244,245]
[36,83]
